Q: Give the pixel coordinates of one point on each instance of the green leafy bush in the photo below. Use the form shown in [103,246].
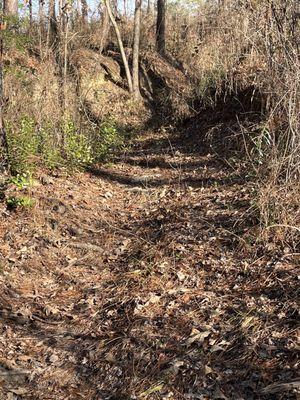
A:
[22,181]
[64,145]
[23,145]
[77,146]
[19,202]
[49,147]
[107,139]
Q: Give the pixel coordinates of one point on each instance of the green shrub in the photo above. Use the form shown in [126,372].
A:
[24,202]
[49,147]
[108,139]
[64,145]
[77,146]
[22,181]
[23,143]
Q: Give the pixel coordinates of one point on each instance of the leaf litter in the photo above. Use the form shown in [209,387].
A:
[116,287]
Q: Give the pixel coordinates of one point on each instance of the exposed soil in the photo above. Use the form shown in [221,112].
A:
[139,280]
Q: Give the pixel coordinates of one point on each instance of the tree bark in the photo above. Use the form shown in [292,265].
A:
[161,27]
[41,15]
[136,49]
[52,24]
[11,8]
[84,12]
[121,47]
[115,8]
[4,159]
[105,29]
[30,12]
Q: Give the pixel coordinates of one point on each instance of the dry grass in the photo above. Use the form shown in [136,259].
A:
[252,45]
[220,52]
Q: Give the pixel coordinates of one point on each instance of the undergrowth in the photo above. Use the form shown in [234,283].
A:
[69,145]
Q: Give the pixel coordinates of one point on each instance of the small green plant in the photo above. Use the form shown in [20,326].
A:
[22,181]
[24,202]
[49,149]
[77,146]
[261,143]
[108,139]
[23,143]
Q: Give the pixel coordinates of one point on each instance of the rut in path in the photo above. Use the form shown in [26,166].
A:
[135,281]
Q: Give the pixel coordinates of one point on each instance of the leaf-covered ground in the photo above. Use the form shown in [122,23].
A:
[142,280]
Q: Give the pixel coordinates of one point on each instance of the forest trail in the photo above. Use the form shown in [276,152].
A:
[137,281]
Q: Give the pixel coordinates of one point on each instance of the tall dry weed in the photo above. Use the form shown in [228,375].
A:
[252,44]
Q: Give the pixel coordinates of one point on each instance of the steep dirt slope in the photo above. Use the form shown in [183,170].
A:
[133,282]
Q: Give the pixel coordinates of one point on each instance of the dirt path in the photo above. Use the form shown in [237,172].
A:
[133,282]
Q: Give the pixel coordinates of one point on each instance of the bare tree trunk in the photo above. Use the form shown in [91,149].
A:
[161,27]
[149,7]
[30,12]
[52,24]
[121,47]
[125,8]
[105,29]
[41,12]
[11,8]
[61,16]
[41,24]
[84,12]
[4,163]
[65,70]
[77,13]
[136,49]
[115,8]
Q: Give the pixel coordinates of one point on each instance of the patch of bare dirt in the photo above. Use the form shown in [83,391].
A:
[139,280]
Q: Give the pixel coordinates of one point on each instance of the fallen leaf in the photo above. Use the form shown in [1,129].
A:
[53,359]
[207,370]
[154,389]
[197,336]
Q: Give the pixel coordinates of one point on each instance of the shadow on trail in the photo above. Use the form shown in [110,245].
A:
[150,181]
[153,161]
[180,310]
[181,315]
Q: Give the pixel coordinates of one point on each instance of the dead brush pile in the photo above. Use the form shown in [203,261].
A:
[252,46]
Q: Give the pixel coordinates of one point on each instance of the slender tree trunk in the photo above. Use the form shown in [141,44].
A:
[115,8]
[61,16]
[136,49]
[84,12]
[65,70]
[105,29]
[121,47]
[4,163]
[41,24]
[161,27]
[42,12]
[30,12]
[52,24]
[125,8]
[149,7]
[77,13]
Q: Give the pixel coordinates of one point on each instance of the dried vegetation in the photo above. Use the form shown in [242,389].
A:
[143,280]
[172,271]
